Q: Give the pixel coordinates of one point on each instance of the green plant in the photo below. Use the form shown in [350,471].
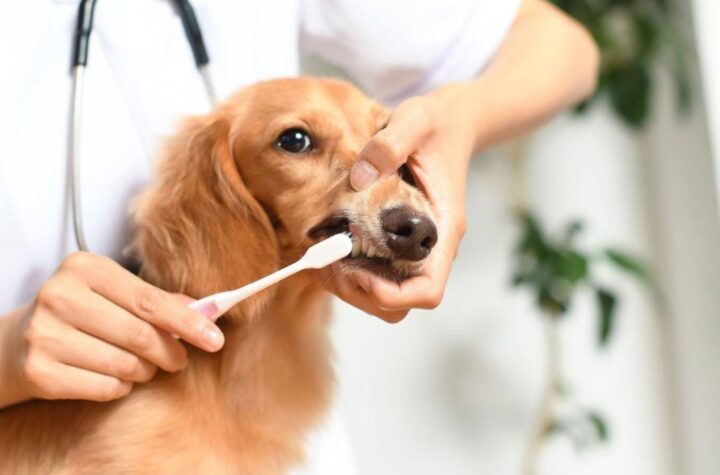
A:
[635,37]
[556,270]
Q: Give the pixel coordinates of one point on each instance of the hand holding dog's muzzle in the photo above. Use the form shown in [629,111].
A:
[429,135]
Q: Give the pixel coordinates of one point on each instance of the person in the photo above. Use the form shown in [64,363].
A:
[463,75]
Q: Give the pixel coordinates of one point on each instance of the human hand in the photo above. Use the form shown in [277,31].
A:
[94,329]
[431,135]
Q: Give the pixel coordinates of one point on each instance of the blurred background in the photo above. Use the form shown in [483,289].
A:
[584,337]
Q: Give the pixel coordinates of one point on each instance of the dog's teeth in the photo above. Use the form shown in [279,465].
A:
[365,246]
[355,249]
[370,252]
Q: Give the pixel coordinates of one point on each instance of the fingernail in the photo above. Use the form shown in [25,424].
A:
[213,338]
[363,175]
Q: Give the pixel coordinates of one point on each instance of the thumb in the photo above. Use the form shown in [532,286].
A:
[389,149]
[186,299]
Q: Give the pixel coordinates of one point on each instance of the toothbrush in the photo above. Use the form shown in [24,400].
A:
[320,255]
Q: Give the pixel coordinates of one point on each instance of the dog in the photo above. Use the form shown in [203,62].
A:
[239,193]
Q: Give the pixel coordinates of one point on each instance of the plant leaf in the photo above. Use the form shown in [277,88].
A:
[649,36]
[532,237]
[664,5]
[550,303]
[573,266]
[679,54]
[583,106]
[647,32]
[572,229]
[636,268]
[600,426]
[630,86]
[629,264]
[607,303]
[683,89]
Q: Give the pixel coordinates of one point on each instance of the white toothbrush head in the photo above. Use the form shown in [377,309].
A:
[328,251]
[320,255]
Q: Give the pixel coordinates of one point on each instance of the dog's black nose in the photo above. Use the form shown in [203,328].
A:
[409,234]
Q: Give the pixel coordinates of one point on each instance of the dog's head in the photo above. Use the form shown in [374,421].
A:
[266,175]
[294,147]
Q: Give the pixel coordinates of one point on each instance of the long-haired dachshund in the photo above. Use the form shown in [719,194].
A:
[240,192]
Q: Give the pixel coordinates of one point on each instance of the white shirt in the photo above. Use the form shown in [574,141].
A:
[141,80]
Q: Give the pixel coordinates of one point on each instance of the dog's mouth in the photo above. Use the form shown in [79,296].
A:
[367,254]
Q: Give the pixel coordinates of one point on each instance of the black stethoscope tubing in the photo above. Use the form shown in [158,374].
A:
[86,11]
[81,46]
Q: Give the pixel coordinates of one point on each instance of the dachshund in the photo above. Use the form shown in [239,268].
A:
[240,192]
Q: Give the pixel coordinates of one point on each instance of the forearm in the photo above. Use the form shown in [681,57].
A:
[11,389]
[547,63]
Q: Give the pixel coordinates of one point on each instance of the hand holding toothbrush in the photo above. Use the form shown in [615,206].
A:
[95,329]
[92,331]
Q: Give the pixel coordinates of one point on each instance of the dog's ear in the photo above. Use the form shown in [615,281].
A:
[199,229]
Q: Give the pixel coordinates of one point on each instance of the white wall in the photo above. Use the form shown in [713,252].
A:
[707,33]
[687,227]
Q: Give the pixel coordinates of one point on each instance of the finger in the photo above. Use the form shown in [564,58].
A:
[78,383]
[83,351]
[56,380]
[417,292]
[150,303]
[407,128]
[423,291]
[94,315]
[344,287]
[184,299]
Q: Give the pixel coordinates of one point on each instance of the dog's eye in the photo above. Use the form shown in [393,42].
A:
[294,141]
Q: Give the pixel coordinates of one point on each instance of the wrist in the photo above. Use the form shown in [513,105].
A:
[12,389]
[462,108]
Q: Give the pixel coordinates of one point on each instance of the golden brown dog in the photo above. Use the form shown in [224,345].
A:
[240,192]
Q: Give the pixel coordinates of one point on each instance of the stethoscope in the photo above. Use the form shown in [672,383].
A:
[81,44]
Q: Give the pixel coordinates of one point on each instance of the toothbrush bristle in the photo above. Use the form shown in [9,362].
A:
[209,309]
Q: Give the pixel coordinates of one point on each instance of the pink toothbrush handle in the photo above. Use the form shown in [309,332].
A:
[207,307]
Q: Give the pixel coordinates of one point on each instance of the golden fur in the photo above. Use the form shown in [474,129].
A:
[228,207]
